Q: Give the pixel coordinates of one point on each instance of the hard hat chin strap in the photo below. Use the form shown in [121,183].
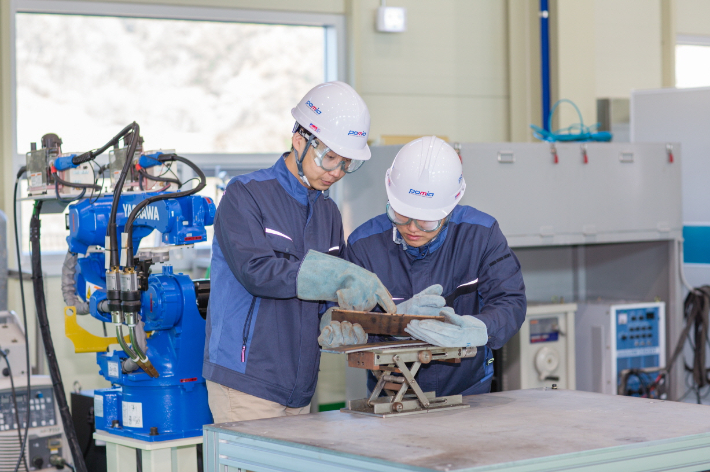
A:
[299,161]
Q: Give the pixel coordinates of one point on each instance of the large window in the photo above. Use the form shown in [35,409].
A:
[692,58]
[216,84]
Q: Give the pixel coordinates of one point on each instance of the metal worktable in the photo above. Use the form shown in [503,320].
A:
[522,430]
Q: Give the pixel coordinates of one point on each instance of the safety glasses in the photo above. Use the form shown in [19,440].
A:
[327,159]
[422,225]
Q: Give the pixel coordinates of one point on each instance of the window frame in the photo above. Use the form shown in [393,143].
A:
[335,67]
[690,40]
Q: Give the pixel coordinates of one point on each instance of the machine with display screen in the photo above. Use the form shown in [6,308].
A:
[46,440]
[618,338]
[542,353]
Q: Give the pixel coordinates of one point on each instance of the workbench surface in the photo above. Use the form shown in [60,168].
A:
[520,430]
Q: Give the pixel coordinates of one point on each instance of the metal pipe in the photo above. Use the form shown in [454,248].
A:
[545,62]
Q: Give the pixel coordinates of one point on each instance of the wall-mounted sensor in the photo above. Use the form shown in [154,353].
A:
[391,19]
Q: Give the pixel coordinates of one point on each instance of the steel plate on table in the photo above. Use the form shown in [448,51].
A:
[381,323]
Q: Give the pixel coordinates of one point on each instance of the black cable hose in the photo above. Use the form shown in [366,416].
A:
[18,251]
[67,200]
[128,229]
[88,156]
[111,231]
[41,306]
[14,405]
[159,179]
[696,310]
[75,185]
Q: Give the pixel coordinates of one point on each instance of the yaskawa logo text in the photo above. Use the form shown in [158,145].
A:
[421,193]
[356,133]
[313,107]
[314,128]
[147,213]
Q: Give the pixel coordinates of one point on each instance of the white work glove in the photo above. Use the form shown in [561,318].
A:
[339,333]
[457,331]
[428,302]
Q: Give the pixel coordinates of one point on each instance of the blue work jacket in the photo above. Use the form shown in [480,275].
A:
[470,248]
[261,339]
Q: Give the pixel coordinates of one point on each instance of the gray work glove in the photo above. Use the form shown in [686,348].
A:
[324,277]
[458,331]
[427,302]
[341,333]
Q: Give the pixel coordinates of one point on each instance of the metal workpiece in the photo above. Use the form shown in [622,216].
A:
[392,324]
[396,395]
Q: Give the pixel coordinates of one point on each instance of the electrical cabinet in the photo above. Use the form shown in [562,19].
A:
[614,336]
[542,353]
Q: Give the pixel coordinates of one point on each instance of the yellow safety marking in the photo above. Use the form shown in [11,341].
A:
[83,340]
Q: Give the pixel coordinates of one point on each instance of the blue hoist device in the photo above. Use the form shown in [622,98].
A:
[153,358]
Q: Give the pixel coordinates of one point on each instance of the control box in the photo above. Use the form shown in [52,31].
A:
[617,336]
[542,353]
[46,437]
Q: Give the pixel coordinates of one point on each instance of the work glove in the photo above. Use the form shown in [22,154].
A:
[457,331]
[428,302]
[324,277]
[339,333]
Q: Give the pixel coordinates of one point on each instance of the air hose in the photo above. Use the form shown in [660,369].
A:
[43,321]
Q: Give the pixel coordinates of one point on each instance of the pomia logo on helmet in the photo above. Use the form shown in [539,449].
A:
[315,109]
[314,128]
[421,193]
[357,133]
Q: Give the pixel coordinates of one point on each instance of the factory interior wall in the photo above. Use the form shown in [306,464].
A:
[692,17]
[466,70]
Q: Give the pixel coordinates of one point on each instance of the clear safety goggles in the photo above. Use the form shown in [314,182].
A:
[422,225]
[328,160]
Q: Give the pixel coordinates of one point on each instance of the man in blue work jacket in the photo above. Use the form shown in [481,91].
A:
[426,245]
[271,268]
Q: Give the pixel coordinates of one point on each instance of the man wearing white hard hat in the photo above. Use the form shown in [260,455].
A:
[451,258]
[275,264]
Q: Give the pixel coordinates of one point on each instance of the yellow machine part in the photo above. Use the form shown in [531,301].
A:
[83,340]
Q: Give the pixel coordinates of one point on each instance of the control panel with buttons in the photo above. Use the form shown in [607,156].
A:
[638,334]
[41,406]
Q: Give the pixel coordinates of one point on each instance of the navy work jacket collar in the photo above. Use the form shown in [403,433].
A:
[422,251]
[292,184]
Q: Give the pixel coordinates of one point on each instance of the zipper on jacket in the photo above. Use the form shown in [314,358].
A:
[247,325]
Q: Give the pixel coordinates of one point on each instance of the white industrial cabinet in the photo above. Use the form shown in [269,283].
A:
[542,354]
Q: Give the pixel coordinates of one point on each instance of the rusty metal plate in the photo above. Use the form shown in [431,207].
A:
[381,323]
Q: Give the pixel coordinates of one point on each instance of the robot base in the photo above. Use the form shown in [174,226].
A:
[153,413]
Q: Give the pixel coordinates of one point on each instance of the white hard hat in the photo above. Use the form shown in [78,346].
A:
[425,181]
[336,115]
